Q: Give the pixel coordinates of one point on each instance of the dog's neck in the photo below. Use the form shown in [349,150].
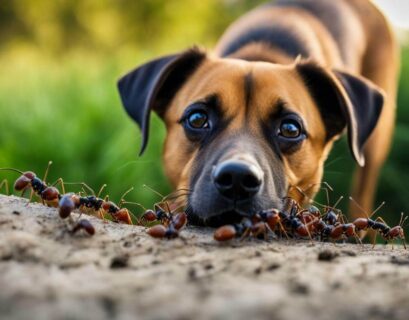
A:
[258,51]
[261,52]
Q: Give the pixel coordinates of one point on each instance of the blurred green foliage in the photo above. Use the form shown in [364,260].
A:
[59,62]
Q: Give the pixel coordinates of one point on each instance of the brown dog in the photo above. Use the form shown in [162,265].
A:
[261,113]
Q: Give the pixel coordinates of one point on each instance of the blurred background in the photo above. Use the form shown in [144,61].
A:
[59,63]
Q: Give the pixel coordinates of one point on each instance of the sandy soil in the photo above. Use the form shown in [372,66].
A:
[121,273]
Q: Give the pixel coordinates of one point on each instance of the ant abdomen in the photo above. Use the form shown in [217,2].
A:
[67,205]
[22,183]
[225,233]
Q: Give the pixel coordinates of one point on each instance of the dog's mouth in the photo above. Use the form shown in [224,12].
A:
[226,217]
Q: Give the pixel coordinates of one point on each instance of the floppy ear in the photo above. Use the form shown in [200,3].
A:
[344,100]
[153,85]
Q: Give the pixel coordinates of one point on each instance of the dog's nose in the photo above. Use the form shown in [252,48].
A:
[237,180]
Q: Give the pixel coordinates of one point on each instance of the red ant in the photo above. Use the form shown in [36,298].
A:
[242,229]
[48,194]
[225,233]
[170,223]
[170,227]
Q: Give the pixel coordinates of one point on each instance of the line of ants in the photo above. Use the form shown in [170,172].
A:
[94,205]
[296,222]
[291,221]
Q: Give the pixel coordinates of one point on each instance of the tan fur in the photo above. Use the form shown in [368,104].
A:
[270,84]
[370,44]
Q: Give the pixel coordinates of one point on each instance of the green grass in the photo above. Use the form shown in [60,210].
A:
[69,111]
[74,117]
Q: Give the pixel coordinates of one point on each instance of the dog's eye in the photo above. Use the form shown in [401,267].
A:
[198,120]
[290,129]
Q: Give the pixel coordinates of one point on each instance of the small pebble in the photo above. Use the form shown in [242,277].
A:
[327,255]
[119,262]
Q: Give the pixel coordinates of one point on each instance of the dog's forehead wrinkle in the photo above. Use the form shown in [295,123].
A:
[248,87]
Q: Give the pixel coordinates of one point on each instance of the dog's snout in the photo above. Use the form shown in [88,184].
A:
[237,180]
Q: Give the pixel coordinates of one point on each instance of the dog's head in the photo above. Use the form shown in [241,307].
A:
[240,133]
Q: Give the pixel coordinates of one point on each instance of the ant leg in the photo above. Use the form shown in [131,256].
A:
[31,197]
[358,240]
[60,182]
[122,199]
[403,242]
[374,240]
[100,190]
[5,184]
[265,232]
[154,191]
[309,236]
[46,171]
[381,220]
[283,230]
[245,234]
[78,219]
[101,215]
[134,203]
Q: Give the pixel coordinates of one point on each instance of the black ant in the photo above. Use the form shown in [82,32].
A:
[95,205]
[379,225]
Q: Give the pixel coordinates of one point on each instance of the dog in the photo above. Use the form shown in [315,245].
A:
[254,121]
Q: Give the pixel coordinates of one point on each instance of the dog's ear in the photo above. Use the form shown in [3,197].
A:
[344,100]
[153,85]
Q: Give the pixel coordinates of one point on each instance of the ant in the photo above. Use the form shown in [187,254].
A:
[291,220]
[170,227]
[387,233]
[85,225]
[48,194]
[331,224]
[95,205]
[242,229]
[170,223]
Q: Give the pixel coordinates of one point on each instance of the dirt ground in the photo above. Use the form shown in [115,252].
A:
[121,273]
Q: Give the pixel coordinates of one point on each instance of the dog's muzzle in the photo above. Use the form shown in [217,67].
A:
[237,180]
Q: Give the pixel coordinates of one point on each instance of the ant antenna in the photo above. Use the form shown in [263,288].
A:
[362,209]
[177,193]
[303,193]
[402,219]
[338,201]
[12,169]
[46,170]
[126,192]
[174,197]
[134,203]
[153,190]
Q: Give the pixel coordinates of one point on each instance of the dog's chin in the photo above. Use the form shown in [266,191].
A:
[226,217]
